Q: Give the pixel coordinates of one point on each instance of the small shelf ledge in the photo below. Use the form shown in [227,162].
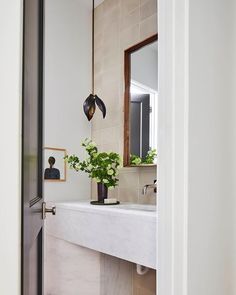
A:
[143,165]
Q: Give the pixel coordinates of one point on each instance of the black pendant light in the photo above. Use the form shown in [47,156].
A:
[92,100]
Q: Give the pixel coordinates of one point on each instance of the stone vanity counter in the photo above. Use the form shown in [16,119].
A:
[126,231]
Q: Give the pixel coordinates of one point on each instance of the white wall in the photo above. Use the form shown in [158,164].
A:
[234,141]
[197,158]
[10,126]
[211,148]
[67,83]
[144,66]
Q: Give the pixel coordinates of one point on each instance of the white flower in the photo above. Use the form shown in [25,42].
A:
[105,180]
[86,141]
[97,179]
[110,172]
[78,166]
[91,145]
[90,167]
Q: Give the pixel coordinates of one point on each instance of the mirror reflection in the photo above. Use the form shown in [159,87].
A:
[143,103]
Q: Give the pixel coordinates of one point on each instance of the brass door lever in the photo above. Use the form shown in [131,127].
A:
[46,210]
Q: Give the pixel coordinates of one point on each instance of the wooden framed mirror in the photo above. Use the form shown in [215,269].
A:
[140,102]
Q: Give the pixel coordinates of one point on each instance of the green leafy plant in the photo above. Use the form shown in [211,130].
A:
[102,167]
[135,160]
[149,159]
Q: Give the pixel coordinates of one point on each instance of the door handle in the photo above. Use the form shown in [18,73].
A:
[46,210]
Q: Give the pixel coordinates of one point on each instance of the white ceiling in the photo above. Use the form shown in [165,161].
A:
[98,2]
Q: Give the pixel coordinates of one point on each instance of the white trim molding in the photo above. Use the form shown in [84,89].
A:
[173,148]
[11,16]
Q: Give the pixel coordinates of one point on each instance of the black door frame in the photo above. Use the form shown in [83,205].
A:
[40,142]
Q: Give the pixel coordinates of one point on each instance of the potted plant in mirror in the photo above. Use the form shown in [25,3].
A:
[148,160]
[101,166]
[135,160]
[150,157]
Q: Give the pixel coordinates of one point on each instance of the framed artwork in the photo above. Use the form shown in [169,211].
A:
[54,164]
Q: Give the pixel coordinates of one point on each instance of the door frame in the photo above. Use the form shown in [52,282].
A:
[172,223]
[170,140]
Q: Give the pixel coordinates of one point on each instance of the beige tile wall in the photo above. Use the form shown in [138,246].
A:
[116,276]
[145,284]
[119,277]
[120,24]
[71,269]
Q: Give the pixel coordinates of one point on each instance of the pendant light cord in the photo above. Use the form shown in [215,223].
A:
[93,61]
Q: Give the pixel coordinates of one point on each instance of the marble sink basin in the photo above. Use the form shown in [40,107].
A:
[126,231]
[141,207]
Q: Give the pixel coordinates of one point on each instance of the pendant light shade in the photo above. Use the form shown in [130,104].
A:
[90,106]
[92,100]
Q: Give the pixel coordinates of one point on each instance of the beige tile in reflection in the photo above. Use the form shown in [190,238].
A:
[148,9]
[148,27]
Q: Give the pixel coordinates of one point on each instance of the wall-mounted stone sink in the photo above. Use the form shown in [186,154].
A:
[126,231]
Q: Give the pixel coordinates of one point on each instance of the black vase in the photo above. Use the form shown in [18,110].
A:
[102,192]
